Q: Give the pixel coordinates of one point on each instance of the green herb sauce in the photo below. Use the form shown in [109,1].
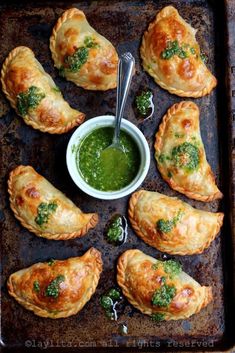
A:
[186,156]
[116,230]
[163,295]
[74,62]
[44,212]
[173,48]
[109,301]
[158,317]
[112,169]
[166,226]
[173,268]
[51,262]
[163,158]
[169,174]
[56,89]
[143,102]
[52,289]
[29,100]
[204,57]
[36,286]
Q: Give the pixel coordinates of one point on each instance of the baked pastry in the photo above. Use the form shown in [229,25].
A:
[43,209]
[172,56]
[57,288]
[171,225]
[34,95]
[81,54]
[160,288]
[180,154]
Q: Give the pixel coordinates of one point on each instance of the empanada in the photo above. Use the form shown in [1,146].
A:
[43,209]
[58,288]
[34,94]
[180,154]
[172,56]
[81,54]
[171,225]
[160,289]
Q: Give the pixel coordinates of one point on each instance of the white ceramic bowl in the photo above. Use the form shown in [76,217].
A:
[103,121]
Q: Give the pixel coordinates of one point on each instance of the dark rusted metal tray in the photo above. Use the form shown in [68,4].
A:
[123,22]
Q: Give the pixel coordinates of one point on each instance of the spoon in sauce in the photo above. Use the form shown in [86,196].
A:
[114,155]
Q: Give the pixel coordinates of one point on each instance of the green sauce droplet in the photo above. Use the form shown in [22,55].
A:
[109,302]
[116,230]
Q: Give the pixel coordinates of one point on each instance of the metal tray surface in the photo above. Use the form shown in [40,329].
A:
[123,23]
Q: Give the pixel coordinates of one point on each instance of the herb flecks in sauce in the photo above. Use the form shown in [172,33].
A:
[29,100]
[109,301]
[44,212]
[173,268]
[204,57]
[51,262]
[52,289]
[166,226]
[56,89]
[36,286]
[158,317]
[90,43]
[163,295]
[144,103]
[174,48]
[163,158]
[116,170]
[186,156]
[116,230]
[156,265]
[75,61]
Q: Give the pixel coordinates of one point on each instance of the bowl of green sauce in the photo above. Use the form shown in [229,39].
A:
[116,175]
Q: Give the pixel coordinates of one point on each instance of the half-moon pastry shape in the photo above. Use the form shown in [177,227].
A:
[160,288]
[180,154]
[171,225]
[172,56]
[43,209]
[81,54]
[57,288]
[34,95]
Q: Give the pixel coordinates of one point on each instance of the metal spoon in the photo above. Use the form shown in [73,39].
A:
[126,66]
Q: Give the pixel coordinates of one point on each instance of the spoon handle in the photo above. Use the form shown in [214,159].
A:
[126,66]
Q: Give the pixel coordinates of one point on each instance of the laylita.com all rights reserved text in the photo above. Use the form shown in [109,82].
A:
[136,343]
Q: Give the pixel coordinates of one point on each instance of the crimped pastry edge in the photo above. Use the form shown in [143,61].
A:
[157,146]
[50,129]
[58,236]
[121,267]
[44,313]
[63,18]
[131,213]
[166,11]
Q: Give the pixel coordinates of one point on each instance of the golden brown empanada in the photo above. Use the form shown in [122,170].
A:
[171,225]
[81,54]
[180,154]
[57,288]
[34,94]
[160,289]
[172,56]
[43,209]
